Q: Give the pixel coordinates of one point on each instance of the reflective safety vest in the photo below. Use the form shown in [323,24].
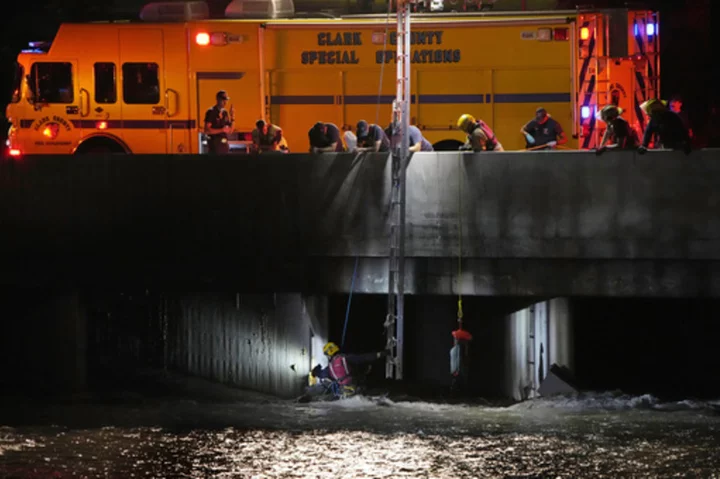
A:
[339,370]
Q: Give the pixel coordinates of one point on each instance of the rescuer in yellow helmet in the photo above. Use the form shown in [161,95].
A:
[666,125]
[480,136]
[619,131]
[338,376]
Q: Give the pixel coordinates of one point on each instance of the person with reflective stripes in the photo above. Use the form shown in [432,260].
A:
[480,136]
[618,130]
[340,369]
[667,125]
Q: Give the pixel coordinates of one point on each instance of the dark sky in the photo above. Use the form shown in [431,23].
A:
[689,63]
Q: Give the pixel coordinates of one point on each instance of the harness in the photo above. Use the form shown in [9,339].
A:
[334,363]
[491,140]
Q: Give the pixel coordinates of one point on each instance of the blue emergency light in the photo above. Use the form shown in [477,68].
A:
[650,29]
[585,112]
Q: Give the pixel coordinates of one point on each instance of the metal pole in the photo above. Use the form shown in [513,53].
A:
[400,155]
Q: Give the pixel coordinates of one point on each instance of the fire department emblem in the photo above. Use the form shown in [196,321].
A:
[51,130]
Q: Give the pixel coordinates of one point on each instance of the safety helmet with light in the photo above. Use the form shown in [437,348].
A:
[609,112]
[465,121]
[330,349]
[653,105]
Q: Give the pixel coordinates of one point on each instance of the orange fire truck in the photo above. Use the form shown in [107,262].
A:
[144,87]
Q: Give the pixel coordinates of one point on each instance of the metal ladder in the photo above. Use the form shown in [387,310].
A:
[645,50]
[595,80]
[394,322]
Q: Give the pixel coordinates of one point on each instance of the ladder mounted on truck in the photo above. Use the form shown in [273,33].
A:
[394,322]
[618,63]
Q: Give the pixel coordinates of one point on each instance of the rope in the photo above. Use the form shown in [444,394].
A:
[347,309]
[460,235]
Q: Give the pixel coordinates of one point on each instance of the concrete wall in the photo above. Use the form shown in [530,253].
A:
[181,218]
[259,342]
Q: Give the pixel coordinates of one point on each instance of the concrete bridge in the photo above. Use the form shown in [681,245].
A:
[104,258]
[540,224]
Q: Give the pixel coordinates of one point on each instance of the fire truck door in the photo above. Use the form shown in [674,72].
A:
[142,73]
[54,118]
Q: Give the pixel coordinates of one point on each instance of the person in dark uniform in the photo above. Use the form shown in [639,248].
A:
[219,123]
[371,138]
[416,140]
[325,138]
[667,125]
[618,130]
[543,131]
[675,105]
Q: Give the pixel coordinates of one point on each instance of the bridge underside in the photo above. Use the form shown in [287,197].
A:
[424,276]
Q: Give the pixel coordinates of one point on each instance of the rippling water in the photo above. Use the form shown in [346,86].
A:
[250,436]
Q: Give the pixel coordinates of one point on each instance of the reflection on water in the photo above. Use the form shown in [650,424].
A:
[593,436]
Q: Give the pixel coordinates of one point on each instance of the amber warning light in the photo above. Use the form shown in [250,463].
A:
[202,38]
[584,33]
[216,39]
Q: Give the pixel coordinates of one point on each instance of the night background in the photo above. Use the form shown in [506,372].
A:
[185,381]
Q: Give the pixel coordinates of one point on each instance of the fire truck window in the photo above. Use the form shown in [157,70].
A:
[17,83]
[105,88]
[51,83]
[141,84]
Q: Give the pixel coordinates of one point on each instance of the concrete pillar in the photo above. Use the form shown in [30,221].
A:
[561,351]
[536,338]
[315,312]
[518,382]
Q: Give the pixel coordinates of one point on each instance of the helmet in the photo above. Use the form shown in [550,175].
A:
[608,112]
[330,349]
[653,105]
[464,121]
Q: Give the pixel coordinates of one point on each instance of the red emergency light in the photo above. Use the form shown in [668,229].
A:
[14,152]
[561,34]
[101,125]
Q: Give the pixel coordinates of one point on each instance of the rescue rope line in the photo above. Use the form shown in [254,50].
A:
[347,309]
[460,235]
